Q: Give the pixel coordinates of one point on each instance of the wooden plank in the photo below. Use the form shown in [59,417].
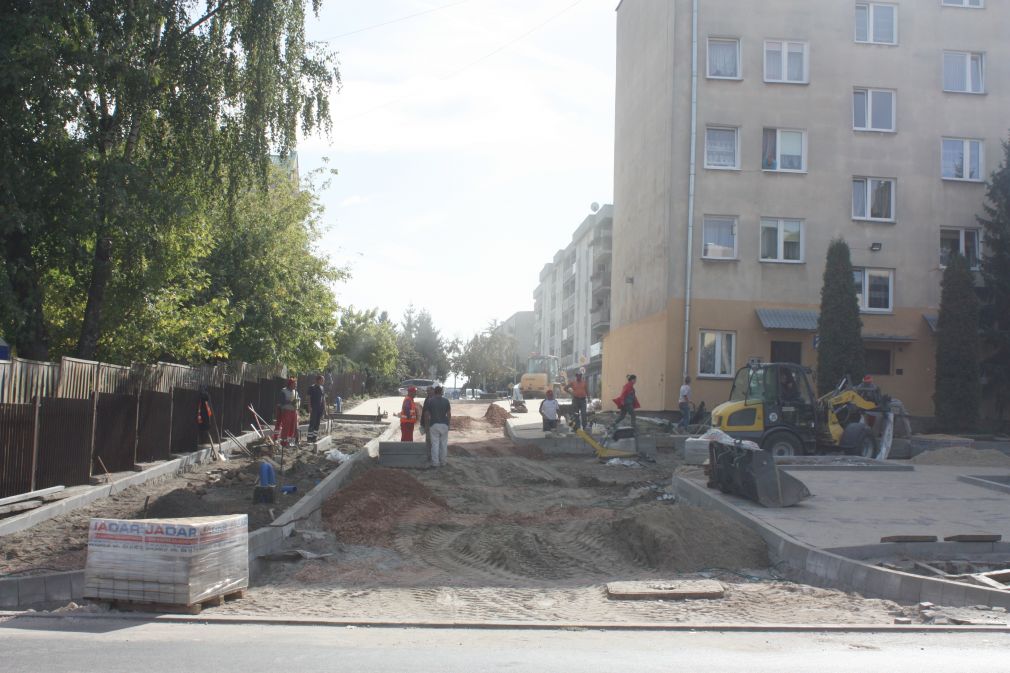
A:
[16,507]
[983,537]
[909,538]
[672,590]
[30,495]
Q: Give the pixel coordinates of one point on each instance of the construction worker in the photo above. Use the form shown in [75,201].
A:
[408,415]
[627,402]
[317,406]
[204,414]
[580,397]
[550,411]
[685,404]
[288,402]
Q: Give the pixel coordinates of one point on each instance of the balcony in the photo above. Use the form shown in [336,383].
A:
[600,319]
[601,286]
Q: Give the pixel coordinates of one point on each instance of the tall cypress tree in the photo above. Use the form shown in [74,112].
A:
[840,351]
[995,316]
[958,391]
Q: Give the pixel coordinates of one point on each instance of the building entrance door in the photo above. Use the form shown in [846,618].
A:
[787,351]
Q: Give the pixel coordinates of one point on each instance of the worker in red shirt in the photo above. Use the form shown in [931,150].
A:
[580,395]
[408,416]
[627,402]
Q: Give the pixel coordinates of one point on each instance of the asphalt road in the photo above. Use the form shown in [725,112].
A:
[55,646]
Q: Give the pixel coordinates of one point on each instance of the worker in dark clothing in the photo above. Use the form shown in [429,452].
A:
[204,414]
[627,402]
[317,407]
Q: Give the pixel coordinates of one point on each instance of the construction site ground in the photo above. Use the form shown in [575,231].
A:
[212,488]
[505,533]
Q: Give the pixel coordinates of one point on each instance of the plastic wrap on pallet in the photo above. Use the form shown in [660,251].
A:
[173,561]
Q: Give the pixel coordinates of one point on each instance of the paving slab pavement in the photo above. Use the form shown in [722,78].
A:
[858,508]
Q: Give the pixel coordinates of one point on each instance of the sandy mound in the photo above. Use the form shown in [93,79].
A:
[497,416]
[962,455]
[368,510]
[685,539]
[460,423]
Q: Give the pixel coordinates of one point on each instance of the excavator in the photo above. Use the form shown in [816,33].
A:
[542,374]
[773,405]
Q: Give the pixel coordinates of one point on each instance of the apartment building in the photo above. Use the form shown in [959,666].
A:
[572,302]
[519,326]
[750,134]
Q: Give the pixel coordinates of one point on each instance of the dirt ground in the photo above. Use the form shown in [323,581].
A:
[206,490]
[962,455]
[505,533]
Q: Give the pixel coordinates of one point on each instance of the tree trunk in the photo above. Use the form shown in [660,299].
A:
[32,339]
[91,328]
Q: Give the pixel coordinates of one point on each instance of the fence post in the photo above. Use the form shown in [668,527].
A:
[136,428]
[37,402]
[94,430]
[171,418]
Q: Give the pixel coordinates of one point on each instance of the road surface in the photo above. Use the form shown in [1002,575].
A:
[55,646]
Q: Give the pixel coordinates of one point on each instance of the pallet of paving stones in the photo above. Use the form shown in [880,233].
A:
[174,608]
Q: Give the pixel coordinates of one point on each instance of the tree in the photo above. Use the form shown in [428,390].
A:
[488,358]
[839,327]
[422,349]
[118,118]
[958,392]
[365,341]
[995,313]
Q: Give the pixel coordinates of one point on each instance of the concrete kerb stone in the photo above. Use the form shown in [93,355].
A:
[826,568]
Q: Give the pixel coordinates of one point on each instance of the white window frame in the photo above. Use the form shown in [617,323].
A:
[961,232]
[968,57]
[785,62]
[779,223]
[719,334]
[868,196]
[736,237]
[864,294]
[966,153]
[868,91]
[778,151]
[963,4]
[736,148]
[870,21]
[708,57]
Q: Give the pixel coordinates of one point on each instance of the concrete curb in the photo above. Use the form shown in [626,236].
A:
[812,565]
[505,626]
[984,483]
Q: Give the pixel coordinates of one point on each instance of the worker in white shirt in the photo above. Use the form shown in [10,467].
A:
[685,404]
[550,410]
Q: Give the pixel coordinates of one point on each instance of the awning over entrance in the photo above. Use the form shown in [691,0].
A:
[788,318]
[931,320]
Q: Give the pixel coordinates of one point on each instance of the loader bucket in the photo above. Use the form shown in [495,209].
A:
[752,473]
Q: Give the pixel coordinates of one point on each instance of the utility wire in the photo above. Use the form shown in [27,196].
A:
[471,64]
[391,21]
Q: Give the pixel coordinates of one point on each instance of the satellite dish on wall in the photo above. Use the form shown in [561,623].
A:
[594,206]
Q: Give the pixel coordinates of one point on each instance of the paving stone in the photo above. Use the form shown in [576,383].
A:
[672,590]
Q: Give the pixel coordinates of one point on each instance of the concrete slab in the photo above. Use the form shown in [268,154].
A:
[859,508]
[665,590]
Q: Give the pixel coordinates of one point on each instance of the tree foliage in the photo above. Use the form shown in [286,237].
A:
[488,358]
[995,314]
[839,327]
[422,348]
[958,393]
[366,341]
[127,132]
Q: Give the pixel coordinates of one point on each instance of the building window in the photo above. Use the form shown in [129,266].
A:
[783,150]
[719,237]
[781,240]
[786,62]
[876,23]
[873,110]
[873,199]
[787,351]
[963,3]
[723,58]
[717,355]
[962,159]
[963,72]
[721,145]
[959,242]
[874,289]
[877,361]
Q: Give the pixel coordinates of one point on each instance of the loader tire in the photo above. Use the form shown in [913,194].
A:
[782,444]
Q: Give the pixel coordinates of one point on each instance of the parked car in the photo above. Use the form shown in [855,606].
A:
[421,385]
[474,393]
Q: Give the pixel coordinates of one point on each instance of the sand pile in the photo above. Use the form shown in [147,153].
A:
[684,539]
[963,455]
[369,509]
[497,416]
[460,422]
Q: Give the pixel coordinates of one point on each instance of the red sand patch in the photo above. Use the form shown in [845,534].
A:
[497,416]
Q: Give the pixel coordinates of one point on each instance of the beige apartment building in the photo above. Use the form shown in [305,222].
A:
[750,134]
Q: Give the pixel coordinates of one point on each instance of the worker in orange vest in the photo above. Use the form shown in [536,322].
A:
[408,416]
[580,395]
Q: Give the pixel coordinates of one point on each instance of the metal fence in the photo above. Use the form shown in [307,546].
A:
[61,423]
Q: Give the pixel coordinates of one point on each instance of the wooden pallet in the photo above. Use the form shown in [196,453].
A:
[176,608]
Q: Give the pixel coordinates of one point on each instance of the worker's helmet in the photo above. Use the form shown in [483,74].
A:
[867,379]
[411,390]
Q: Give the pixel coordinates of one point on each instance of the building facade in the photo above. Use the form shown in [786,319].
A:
[876,122]
[572,302]
[519,326]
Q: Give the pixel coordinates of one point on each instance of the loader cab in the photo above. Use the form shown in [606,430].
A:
[771,404]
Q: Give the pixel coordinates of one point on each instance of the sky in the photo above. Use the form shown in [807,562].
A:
[470,141]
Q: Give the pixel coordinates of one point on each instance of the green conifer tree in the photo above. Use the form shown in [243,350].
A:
[958,392]
[840,348]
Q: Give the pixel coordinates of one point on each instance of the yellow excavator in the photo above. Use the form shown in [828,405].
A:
[773,405]
[543,373]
